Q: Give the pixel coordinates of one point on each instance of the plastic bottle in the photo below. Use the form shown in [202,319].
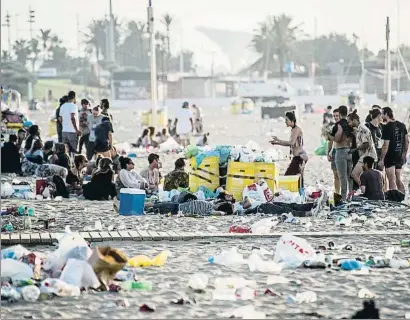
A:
[351,265]
[136,286]
[26,220]
[239,229]
[30,293]
[399,264]
[405,243]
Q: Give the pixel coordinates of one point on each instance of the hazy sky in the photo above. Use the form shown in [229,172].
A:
[366,18]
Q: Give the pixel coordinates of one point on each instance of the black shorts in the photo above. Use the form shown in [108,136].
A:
[101,146]
[393,161]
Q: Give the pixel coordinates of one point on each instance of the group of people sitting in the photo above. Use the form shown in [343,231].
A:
[366,155]
[97,175]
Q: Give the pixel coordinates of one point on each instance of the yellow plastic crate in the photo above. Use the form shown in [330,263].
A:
[290,183]
[207,174]
[14,125]
[240,175]
[267,171]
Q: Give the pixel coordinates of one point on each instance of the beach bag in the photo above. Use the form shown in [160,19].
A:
[322,149]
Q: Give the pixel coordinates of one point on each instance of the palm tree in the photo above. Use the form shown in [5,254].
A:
[45,36]
[97,37]
[21,49]
[5,55]
[275,37]
[34,51]
[167,20]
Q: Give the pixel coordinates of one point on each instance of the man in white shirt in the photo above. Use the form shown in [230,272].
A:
[184,124]
[70,121]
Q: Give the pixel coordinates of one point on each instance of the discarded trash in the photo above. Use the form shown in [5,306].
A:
[365,294]
[198,281]
[144,261]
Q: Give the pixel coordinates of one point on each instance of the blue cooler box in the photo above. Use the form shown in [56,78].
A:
[132,202]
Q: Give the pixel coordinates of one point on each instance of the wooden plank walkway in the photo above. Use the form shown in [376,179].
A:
[150,235]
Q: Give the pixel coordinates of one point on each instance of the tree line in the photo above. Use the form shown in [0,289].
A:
[278,40]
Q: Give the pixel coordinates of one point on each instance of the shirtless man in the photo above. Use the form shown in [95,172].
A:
[343,157]
[295,143]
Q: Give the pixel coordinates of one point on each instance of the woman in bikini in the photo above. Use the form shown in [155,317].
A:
[296,166]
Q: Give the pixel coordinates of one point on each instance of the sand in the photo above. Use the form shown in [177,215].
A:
[337,291]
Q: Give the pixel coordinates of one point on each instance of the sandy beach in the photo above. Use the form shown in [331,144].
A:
[336,290]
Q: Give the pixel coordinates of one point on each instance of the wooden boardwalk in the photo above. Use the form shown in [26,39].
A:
[148,235]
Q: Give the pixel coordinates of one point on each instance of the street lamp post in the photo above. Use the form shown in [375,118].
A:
[151,31]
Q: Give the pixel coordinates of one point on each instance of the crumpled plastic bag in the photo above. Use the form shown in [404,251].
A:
[321,150]
[59,287]
[70,240]
[144,261]
[6,190]
[14,252]
[293,251]
[15,270]
[191,151]
[79,273]
[106,262]
[168,145]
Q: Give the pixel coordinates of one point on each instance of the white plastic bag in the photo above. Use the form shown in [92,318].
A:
[267,192]
[198,281]
[228,258]
[15,270]
[6,190]
[79,273]
[264,226]
[69,241]
[293,251]
[14,252]
[168,145]
[255,263]
[254,192]
[247,155]
[233,283]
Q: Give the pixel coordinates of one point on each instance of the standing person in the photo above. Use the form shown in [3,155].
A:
[93,120]
[59,125]
[342,140]
[394,150]
[331,155]
[184,124]
[85,132]
[376,129]
[328,116]
[103,137]
[364,144]
[70,121]
[197,114]
[151,174]
[296,166]
[369,116]
[105,106]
